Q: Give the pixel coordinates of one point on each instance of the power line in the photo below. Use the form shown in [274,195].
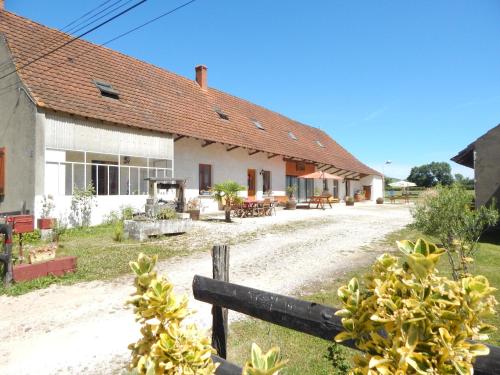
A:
[64,28]
[148,22]
[74,39]
[110,40]
[89,13]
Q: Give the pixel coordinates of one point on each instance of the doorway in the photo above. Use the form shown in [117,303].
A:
[368,192]
[251,183]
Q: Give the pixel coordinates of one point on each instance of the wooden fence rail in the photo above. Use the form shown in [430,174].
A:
[302,316]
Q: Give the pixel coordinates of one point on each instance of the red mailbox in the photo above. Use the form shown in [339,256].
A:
[21,223]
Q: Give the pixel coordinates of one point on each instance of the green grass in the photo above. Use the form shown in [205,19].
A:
[101,258]
[306,354]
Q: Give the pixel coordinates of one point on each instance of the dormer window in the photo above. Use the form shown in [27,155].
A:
[292,136]
[107,90]
[320,144]
[258,125]
[221,114]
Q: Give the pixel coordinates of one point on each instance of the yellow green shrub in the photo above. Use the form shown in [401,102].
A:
[167,346]
[264,363]
[409,320]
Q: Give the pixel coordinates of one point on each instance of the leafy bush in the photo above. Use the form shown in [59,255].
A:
[445,212]
[264,363]
[118,231]
[127,213]
[166,213]
[167,346]
[82,204]
[48,206]
[408,320]
[337,357]
[111,218]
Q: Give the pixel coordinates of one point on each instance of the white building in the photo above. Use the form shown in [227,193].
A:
[87,114]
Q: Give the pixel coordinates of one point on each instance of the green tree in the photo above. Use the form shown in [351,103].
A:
[445,213]
[466,182]
[429,175]
[227,193]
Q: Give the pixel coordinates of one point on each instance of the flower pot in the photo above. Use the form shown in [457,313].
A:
[194,214]
[291,204]
[358,197]
[46,223]
[380,200]
[349,203]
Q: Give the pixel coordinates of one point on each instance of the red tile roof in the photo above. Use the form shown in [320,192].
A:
[155,99]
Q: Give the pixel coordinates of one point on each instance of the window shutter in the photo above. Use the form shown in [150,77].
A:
[2,171]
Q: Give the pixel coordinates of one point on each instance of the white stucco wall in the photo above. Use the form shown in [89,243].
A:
[188,154]
[376,184]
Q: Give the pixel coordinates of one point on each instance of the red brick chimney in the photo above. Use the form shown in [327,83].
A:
[201,75]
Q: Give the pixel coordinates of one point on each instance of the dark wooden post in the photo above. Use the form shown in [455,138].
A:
[220,267]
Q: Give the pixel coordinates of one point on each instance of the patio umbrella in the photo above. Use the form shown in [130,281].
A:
[402,184]
[321,175]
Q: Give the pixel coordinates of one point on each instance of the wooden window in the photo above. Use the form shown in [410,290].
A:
[266,181]
[205,178]
[2,171]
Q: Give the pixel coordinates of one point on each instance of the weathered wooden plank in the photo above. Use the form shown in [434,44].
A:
[302,316]
[225,367]
[220,270]
[307,317]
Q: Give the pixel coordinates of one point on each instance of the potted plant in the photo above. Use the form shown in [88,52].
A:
[359,196]
[380,200]
[291,203]
[193,207]
[46,220]
[227,194]
[349,201]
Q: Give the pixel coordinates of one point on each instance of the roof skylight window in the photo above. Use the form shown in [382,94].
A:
[320,144]
[258,125]
[107,89]
[221,114]
[292,136]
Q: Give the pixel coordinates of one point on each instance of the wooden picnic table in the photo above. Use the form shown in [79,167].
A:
[255,208]
[393,198]
[319,201]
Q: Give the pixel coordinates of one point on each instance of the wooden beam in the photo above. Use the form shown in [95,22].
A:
[344,173]
[225,367]
[272,156]
[232,148]
[207,143]
[220,271]
[352,174]
[253,152]
[319,166]
[306,317]
[335,169]
[301,316]
[179,138]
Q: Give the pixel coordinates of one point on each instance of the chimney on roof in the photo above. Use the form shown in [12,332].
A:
[201,75]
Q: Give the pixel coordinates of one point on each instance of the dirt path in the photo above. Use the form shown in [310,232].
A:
[85,329]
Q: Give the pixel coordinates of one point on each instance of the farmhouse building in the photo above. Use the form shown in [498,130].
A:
[88,114]
[483,155]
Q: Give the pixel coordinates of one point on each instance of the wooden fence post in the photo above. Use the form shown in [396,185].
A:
[220,268]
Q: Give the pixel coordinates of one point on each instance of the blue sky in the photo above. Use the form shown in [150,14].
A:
[412,82]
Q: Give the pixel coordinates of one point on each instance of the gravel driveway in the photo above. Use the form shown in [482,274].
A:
[85,329]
